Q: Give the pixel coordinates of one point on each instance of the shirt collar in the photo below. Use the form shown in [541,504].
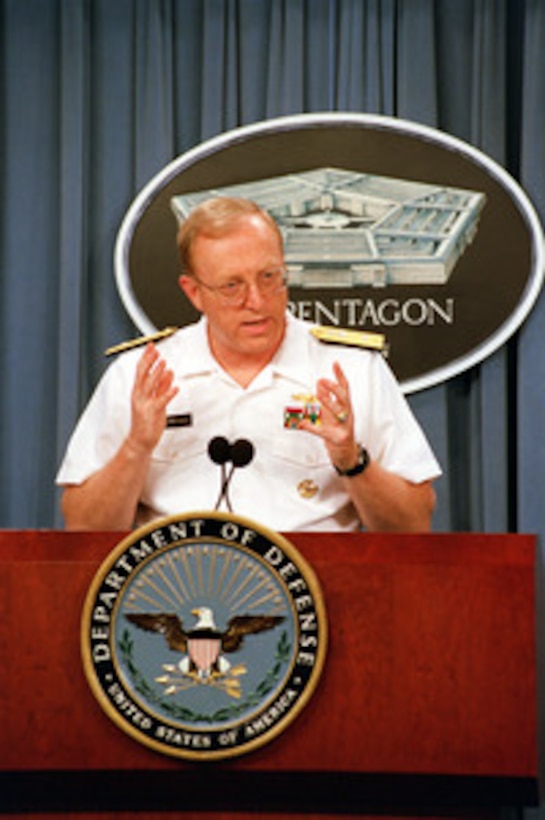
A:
[197,358]
[291,361]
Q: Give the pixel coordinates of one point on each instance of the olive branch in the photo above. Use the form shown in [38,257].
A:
[176,710]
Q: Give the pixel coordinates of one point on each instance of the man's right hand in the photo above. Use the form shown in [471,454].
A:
[108,499]
[152,391]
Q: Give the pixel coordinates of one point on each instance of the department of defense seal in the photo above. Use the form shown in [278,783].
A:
[203,635]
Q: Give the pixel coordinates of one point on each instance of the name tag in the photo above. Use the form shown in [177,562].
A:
[180,420]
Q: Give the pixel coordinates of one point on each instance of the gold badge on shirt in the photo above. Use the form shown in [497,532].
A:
[307,488]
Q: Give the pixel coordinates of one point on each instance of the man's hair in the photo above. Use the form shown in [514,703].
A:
[215,218]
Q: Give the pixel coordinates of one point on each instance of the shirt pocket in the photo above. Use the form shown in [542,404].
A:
[179,445]
[300,451]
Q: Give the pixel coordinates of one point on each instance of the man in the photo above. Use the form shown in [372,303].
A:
[235,375]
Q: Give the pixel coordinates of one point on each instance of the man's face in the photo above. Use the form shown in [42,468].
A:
[255,328]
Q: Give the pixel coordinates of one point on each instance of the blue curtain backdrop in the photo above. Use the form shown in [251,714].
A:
[96,96]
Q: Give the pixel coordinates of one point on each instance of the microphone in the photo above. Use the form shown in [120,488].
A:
[240,453]
[219,450]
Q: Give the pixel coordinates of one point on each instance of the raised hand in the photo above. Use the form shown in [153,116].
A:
[337,427]
[152,391]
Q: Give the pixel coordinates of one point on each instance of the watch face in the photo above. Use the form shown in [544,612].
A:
[363,461]
[361,464]
[365,458]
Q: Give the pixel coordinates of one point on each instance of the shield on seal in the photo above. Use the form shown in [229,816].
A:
[204,652]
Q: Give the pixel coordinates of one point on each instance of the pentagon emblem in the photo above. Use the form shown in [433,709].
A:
[203,635]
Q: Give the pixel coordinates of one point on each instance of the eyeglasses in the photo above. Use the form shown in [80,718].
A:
[235,292]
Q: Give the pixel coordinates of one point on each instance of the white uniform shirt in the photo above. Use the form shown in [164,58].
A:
[290,484]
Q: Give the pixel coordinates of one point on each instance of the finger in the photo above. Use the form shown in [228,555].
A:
[340,386]
[331,396]
[166,389]
[153,375]
[146,363]
[322,431]
[339,375]
[148,357]
[333,434]
[336,394]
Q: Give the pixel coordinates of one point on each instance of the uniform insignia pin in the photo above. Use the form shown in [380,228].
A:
[140,341]
[305,407]
[351,338]
[307,488]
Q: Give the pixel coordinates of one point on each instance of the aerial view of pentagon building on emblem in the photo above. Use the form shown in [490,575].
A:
[204,635]
[344,228]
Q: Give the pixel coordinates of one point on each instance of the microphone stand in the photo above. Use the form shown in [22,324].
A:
[240,453]
[219,451]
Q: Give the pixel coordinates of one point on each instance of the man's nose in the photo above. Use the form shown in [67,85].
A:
[254,297]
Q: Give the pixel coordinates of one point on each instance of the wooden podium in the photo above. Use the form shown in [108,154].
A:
[426,706]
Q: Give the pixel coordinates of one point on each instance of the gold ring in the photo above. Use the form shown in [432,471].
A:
[342,417]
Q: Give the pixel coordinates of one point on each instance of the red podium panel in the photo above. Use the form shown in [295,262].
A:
[427,701]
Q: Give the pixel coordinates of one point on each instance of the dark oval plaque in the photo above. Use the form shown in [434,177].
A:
[390,226]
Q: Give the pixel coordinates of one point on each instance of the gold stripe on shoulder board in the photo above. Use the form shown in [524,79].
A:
[140,341]
[351,338]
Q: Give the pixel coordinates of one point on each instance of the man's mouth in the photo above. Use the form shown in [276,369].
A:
[255,322]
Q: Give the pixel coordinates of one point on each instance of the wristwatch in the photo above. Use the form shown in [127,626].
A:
[361,464]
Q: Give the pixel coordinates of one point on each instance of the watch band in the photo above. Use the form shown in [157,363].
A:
[361,464]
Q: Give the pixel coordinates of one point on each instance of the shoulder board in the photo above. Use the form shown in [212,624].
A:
[140,341]
[351,338]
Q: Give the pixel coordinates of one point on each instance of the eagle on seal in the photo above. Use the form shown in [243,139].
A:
[204,643]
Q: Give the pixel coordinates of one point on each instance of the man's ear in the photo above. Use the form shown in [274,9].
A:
[191,289]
